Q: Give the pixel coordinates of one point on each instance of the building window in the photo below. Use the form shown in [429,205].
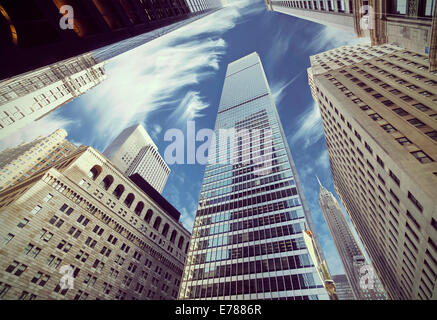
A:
[35,210]
[415,202]
[432,135]
[422,156]
[388,128]
[416,122]
[404,141]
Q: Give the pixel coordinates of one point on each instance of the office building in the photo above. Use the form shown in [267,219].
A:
[133,151]
[248,237]
[343,288]
[409,24]
[82,230]
[19,163]
[379,114]
[351,256]
[41,35]
[30,96]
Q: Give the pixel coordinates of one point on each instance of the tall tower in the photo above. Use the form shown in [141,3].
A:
[409,24]
[133,151]
[350,253]
[248,237]
[32,95]
[379,113]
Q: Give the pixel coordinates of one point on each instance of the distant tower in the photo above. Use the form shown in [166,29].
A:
[133,151]
[343,288]
[21,162]
[350,253]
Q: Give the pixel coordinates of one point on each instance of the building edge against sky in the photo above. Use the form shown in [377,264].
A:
[122,239]
[219,263]
[133,151]
[351,256]
[379,116]
[407,23]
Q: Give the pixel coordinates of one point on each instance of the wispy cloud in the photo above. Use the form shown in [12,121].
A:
[310,129]
[161,74]
[278,89]
[330,37]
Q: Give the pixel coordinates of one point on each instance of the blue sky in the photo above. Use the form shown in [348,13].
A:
[179,77]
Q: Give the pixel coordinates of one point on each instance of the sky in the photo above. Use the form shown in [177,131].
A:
[179,77]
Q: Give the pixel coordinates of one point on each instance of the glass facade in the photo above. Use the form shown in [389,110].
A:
[247,240]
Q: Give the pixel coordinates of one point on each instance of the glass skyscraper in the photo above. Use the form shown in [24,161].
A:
[247,240]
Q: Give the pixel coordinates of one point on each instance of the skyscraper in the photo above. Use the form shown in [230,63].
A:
[133,151]
[84,220]
[409,24]
[350,253]
[343,288]
[40,35]
[30,96]
[248,240]
[19,163]
[379,114]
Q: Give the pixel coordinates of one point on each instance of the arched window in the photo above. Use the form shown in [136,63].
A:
[181,242]
[118,191]
[129,200]
[139,208]
[148,216]
[186,247]
[94,172]
[165,230]
[173,236]
[157,223]
[107,182]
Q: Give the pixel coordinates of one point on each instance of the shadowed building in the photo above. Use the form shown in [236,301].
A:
[32,37]
[113,238]
[411,24]
[379,113]
[248,237]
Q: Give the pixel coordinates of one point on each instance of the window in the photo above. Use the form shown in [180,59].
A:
[415,202]
[416,122]
[35,210]
[404,141]
[375,116]
[22,223]
[421,107]
[7,239]
[401,112]
[422,156]
[48,197]
[394,178]
[432,135]
[388,128]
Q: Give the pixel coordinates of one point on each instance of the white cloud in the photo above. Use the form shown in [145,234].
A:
[331,37]
[278,88]
[323,160]
[310,129]
[150,77]
[43,127]
[189,108]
